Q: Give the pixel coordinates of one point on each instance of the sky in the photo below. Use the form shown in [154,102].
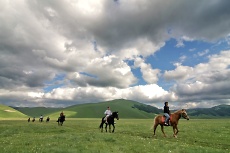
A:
[56,53]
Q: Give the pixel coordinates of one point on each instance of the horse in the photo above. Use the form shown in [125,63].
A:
[61,119]
[41,119]
[110,121]
[33,120]
[47,119]
[174,118]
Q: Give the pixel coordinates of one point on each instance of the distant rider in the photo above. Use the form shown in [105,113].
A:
[61,114]
[108,112]
[41,118]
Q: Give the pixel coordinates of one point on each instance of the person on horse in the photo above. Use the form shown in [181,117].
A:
[48,119]
[108,112]
[41,118]
[166,113]
[61,114]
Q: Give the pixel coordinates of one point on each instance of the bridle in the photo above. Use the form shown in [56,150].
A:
[115,116]
[184,114]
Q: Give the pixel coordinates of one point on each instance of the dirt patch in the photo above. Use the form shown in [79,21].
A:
[9,111]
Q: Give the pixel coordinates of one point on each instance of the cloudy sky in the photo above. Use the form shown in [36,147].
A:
[58,53]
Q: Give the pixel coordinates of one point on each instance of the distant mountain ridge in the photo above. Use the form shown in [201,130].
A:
[126,108]
[214,112]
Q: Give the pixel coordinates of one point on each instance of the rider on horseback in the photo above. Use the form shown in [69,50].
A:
[166,113]
[61,114]
[41,118]
[108,112]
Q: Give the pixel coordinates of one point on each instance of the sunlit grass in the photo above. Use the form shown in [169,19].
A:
[131,136]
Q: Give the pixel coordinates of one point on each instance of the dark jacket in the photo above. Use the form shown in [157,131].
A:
[166,109]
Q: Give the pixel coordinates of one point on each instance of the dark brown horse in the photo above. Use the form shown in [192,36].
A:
[110,120]
[174,118]
[61,120]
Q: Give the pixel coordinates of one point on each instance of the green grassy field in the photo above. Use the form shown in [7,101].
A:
[131,136]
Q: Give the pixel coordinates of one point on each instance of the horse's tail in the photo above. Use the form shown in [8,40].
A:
[101,125]
[154,122]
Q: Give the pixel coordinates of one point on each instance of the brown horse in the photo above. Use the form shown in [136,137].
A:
[174,118]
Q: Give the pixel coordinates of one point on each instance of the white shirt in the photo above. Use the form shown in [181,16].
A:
[108,112]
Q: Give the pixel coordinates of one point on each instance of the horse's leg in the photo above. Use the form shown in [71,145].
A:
[101,126]
[175,131]
[110,128]
[155,124]
[106,127]
[162,129]
[113,128]
[155,127]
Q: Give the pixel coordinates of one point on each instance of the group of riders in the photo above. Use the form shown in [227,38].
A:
[40,119]
[108,112]
[47,119]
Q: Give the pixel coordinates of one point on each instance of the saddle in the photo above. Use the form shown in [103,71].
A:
[163,120]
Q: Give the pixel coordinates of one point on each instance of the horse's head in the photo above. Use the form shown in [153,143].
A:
[184,114]
[115,115]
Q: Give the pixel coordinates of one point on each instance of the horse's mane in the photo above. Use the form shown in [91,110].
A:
[178,111]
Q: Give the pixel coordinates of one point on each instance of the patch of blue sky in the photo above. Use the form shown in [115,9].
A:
[189,54]
[138,75]
[166,85]
[89,75]
[56,82]
[130,62]
[223,44]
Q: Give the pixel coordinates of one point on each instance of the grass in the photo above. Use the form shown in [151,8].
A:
[8,112]
[131,136]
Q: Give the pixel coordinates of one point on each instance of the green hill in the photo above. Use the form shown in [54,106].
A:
[221,111]
[126,109]
[8,112]
[37,111]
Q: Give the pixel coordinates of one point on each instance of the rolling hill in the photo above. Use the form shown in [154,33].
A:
[221,111]
[9,112]
[126,109]
[36,111]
